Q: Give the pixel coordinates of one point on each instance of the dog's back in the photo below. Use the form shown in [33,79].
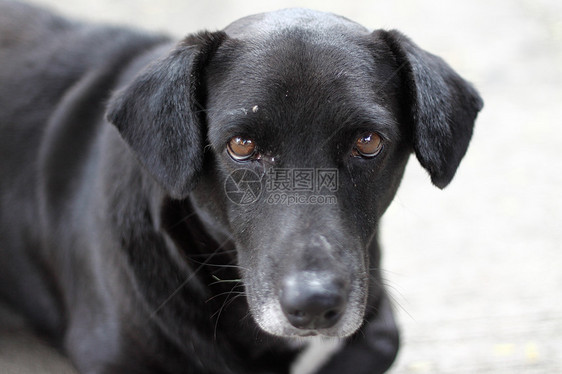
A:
[23,105]
[55,75]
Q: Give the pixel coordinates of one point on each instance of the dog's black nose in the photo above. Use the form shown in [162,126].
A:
[313,301]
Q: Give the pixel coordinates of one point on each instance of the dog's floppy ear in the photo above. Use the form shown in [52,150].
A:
[443,107]
[159,113]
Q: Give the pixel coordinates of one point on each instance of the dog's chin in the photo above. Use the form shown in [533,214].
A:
[271,319]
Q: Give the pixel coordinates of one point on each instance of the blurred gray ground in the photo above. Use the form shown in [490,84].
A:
[475,270]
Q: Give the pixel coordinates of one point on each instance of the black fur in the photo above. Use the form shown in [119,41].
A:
[118,240]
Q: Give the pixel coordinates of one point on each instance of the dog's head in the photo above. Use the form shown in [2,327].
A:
[290,131]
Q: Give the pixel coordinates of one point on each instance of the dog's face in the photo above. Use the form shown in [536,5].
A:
[314,118]
[292,107]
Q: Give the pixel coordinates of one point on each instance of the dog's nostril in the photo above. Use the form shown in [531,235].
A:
[297,313]
[312,301]
[331,314]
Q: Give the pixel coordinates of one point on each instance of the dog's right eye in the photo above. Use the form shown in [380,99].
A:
[241,149]
[367,145]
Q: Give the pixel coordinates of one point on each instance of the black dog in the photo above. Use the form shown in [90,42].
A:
[210,205]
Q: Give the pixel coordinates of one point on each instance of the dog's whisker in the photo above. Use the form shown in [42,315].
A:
[182,220]
[183,284]
[224,281]
[196,255]
[394,298]
[399,305]
[191,276]
[224,293]
[228,300]
[389,286]
[225,305]
[221,265]
[217,251]
[237,286]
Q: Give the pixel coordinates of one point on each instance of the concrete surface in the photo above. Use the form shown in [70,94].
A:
[475,270]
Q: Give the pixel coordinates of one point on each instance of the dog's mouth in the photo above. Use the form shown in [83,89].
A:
[308,334]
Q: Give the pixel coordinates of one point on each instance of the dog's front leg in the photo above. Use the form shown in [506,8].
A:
[372,350]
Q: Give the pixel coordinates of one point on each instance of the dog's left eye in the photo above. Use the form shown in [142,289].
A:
[367,145]
[241,149]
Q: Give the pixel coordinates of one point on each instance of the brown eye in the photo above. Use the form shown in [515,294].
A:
[240,148]
[367,145]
